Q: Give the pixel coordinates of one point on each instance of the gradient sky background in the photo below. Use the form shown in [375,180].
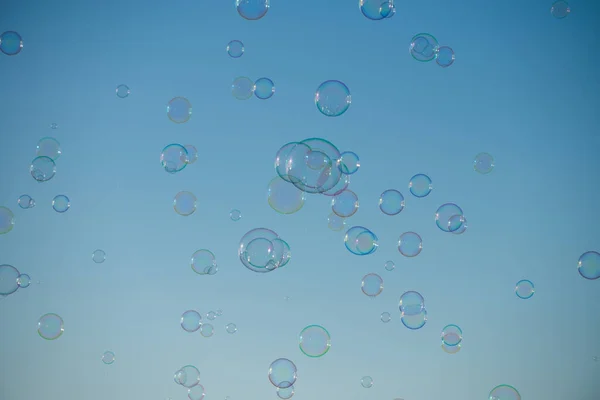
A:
[524,87]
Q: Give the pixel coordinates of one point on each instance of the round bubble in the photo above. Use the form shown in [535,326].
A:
[211,315]
[423,47]
[123,91]
[444,56]
[284,197]
[203,261]
[286,393]
[242,88]
[452,335]
[188,376]
[333,98]
[420,185]
[366,382]
[282,159]
[348,163]
[560,9]
[11,43]
[231,328]
[504,392]
[524,289]
[410,244]
[235,215]
[376,9]
[372,285]
[207,330]
[315,341]
[387,9]
[389,266]
[443,215]
[345,204]
[589,265]
[264,88]
[54,125]
[42,169]
[196,392]
[451,349]
[386,317]
[252,9]
[235,49]
[25,201]
[249,237]
[24,281]
[191,321]
[184,203]
[335,222]
[411,303]
[108,357]
[192,153]
[7,220]
[414,321]
[260,253]
[457,224]
[174,158]
[50,326]
[98,256]
[179,110]
[360,241]
[61,203]
[309,165]
[282,373]
[8,279]
[483,163]
[48,147]
[391,202]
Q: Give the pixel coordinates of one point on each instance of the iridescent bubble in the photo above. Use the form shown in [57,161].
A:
[339,187]
[411,303]
[452,335]
[366,382]
[560,9]
[414,321]
[282,373]
[179,110]
[335,222]
[524,289]
[483,163]
[451,349]
[8,279]
[333,98]
[61,203]
[420,185]
[588,265]
[348,163]
[11,43]
[191,321]
[389,266]
[192,153]
[285,393]
[309,165]
[235,49]
[258,249]
[386,317]
[50,326]
[231,328]
[264,88]
[42,169]
[48,147]
[211,315]
[108,357]
[123,91]
[235,215]
[25,201]
[372,285]
[360,241]
[98,256]
[410,244]
[242,88]
[345,204]
[391,202]
[196,392]
[207,330]
[23,281]
[185,203]
[188,376]
[504,392]
[282,252]
[387,9]
[7,220]
[174,158]
[315,341]
[444,56]
[54,125]
[252,9]
[443,215]
[457,224]
[284,197]
[376,9]
[203,261]
[423,47]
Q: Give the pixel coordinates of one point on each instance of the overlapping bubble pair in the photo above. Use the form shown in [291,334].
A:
[377,10]
[412,310]
[262,250]
[175,157]
[283,375]
[450,218]
[360,241]
[425,47]
[189,377]
[452,337]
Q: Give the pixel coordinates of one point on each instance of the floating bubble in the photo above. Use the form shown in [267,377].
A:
[7,220]
[372,285]
[8,279]
[244,253]
[423,47]
[192,153]
[184,203]
[391,202]
[366,382]
[414,321]
[191,320]
[282,373]
[411,303]
[386,317]
[25,201]
[345,204]
[504,392]
[203,261]
[207,330]
[42,169]
[283,253]
[457,224]
[339,187]
[286,393]
[264,88]
[389,265]
[196,392]
[231,328]
[123,91]
[260,253]
[242,88]
[219,312]
[444,56]
[11,43]
[174,158]
[376,9]
[420,185]
[410,244]
[483,163]
[360,241]
[252,9]
[235,49]
[284,197]
[451,349]
[524,289]
[315,341]
[333,98]
[61,203]
[179,110]
[560,9]
[335,222]
[188,376]
[452,335]
[387,9]
[443,215]
[588,265]
[108,357]
[98,256]
[211,315]
[50,326]
[23,281]
[54,125]
[348,163]
[235,215]
[48,147]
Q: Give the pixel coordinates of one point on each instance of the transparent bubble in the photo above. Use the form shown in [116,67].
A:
[348,163]
[443,215]
[207,330]
[42,169]
[108,357]
[504,392]
[252,9]
[196,392]
[174,158]
[284,197]
[7,220]
[98,256]
[123,91]
[389,266]
[411,303]
[188,376]
[414,321]
[211,315]
[360,241]
[50,326]
[282,373]
[345,204]
[376,9]
[8,279]
[315,341]
[231,328]
[242,88]
[333,98]
[341,185]
[410,244]
[366,382]
[219,312]
[184,203]
[61,203]
[264,88]
[11,43]
[309,165]
[386,317]
[387,9]
[235,215]
[25,201]
[286,393]
[336,223]
[391,202]
[192,153]
[260,253]
[23,281]
[48,147]
[588,265]
[191,321]
[444,56]
[420,185]
[203,261]
[560,9]
[372,285]
[258,249]
[235,49]
[524,289]
[483,163]
[282,252]
[457,224]
[423,47]
[54,125]
[452,335]
[179,110]
[451,349]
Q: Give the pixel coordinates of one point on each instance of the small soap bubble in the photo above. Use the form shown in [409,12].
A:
[185,203]
[560,9]
[410,244]
[235,49]
[207,330]
[48,147]
[336,223]
[242,88]
[420,185]
[264,88]
[282,373]
[235,215]
[42,168]
[366,382]
[61,203]
[192,153]
[483,163]
[24,281]
[123,91]
[386,317]
[286,393]
[315,341]
[252,9]
[211,315]
[524,289]
[108,357]
[25,201]
[196,392]
[179,110]
[333,98]
[589,265]
[54,125]
[444,56]
[389,265]
[372,285]
[98,256]
[391,202]
[11,43]
[50,326]
[191,321]
[231,328]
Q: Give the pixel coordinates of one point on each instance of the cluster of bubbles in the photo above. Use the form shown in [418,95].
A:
[424,47]
[188,376]
[175,157]
[413,314]
[11,279]
[262,250]
[243,88]
[191,321]
[282,374]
